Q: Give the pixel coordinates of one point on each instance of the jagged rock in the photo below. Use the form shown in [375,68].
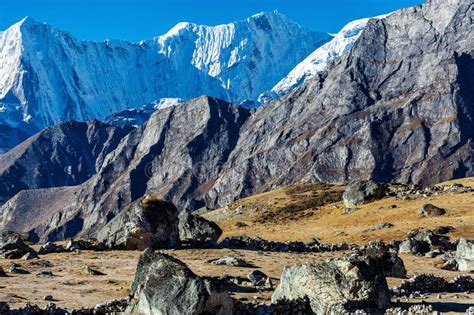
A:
[465,255]
[14,268]
[12,246]
[29,256]
[413,246]
[114,306]
[313,242]
[73,245]
[429,237]
[430,210]
[197,230]
[450,264]
[48,298]
[148,222]
[230,261]
[444,230]
[257,277]
[435,253]
[50,248]
[165,285]
[359,193]
[393,265]
[336,286]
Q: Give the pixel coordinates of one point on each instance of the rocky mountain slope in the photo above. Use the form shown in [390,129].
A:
[49,77]
[398,107]
[63,155]
[319,59]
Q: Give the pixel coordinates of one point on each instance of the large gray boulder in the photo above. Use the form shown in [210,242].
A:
[333,287]
[12,246]
[393,265]
[148,222]
[359,193]
[196,230]
[465,255]
[165,285]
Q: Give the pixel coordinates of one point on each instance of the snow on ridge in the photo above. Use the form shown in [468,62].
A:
[317,61]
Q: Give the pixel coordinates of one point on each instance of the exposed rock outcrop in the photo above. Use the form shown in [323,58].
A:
[336,286]
[165,285]
[359,193]
[196,230]
[465,255]
[148,222]
[12,246]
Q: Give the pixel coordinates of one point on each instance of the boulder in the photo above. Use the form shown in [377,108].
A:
[257,277]
[359,193]
[414,246]
[230,261]
[336,286]
[73,245]
[165,285]
[50,248]
[12,246]
[149,222]
[393,265]
[196,230]
[465,255]
[29,256]
[430,210]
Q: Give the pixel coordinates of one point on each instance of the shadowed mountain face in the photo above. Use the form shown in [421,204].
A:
[398,107]
[63,155]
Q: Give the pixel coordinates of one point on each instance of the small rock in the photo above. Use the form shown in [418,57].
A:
[29,256]
[91,272]
[48,298]
[347,210]
[50,248]
[45,274]
[313,242]
[2,273]
[257,278]
[430,210]
[450,264]
[14,268]
[230,261]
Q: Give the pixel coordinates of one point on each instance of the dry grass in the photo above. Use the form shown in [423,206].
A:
[292,213]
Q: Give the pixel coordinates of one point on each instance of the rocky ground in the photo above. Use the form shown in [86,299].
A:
[311,214]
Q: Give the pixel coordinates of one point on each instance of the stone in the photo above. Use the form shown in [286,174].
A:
[29,256]
[393,265]
[2,273]
[362,192]
[50,248]
[465,255]
[14,268]
[12,246]
[450,264]
[87,270]
[73,245]
[48,298]
[336,286]
[196,230]
[313,241]
[45,274]
[257,277]
[148,222]
[230,261]
[429,210]
[165,285]
[413,246]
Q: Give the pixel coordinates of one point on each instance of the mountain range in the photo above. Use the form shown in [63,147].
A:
[397,106]
[49,77]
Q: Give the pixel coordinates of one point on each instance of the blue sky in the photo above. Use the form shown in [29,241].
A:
[142,19]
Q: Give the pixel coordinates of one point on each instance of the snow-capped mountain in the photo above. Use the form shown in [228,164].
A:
[319,59]
[47,76]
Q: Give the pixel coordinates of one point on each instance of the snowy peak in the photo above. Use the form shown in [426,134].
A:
[340,44]
[49,77]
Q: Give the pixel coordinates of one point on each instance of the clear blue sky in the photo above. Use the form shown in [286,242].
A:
[142,19]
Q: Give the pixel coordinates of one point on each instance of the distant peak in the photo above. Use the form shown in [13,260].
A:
[26,21]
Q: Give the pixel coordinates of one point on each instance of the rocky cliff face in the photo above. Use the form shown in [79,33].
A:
[398,107]
[63,155]
[49,77]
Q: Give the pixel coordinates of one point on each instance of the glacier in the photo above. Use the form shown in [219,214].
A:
[47,76]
